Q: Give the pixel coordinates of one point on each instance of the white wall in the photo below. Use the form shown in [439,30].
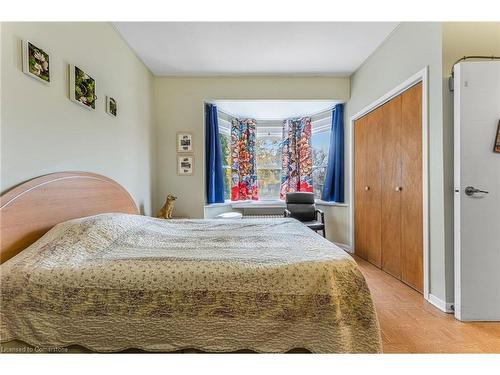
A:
[179,106]
[42,131]
[410,48]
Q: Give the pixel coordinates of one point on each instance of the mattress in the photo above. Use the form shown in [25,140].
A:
[112,282]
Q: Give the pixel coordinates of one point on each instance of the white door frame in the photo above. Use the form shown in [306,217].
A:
[421,76]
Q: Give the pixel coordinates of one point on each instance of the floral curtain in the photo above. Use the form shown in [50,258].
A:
[296,174]
[243,161]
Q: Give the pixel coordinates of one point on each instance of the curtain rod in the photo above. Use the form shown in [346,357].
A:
[284,118]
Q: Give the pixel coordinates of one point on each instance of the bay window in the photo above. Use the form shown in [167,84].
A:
[268,151]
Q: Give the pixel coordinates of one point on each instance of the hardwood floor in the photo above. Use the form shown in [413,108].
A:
[410,324]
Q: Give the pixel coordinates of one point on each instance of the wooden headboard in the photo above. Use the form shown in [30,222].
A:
[30,209]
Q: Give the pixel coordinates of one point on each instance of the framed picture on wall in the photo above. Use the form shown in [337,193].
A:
[36,62]
[185,165]
[496,148]
[184,142]
[82,87]
[111,106]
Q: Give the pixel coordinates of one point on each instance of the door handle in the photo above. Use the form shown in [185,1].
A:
[367,188]
[471,190]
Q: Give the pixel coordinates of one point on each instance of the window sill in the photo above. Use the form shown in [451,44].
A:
[269,203]
[227,203]
[319,202]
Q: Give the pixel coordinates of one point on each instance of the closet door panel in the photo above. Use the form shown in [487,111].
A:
[359,184]
[411,195]
[391,183]
[373,181]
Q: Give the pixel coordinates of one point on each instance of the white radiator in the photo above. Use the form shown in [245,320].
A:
[263,216]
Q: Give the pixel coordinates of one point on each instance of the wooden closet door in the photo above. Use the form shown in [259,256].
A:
[391,187]
[373,182]
[411,194]
[359,187]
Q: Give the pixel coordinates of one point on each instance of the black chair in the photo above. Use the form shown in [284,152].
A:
[301,206]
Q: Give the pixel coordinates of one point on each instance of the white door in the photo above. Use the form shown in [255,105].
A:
[477,191]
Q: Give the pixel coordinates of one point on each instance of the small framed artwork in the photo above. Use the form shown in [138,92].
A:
[184,142]
[185,165]
[36,62]
[111,106]
[81,87]
[496,148]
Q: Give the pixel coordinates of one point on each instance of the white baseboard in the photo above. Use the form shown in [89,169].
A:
[344,246]
[447,307]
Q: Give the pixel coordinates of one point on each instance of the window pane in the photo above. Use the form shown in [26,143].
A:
[269,181]
[320,145]
[268,152]
[225,149]
[226,162]
[227,183]
[318,181]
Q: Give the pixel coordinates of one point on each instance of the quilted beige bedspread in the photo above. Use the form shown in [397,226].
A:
[114,281]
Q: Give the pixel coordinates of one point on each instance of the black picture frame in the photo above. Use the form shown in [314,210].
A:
[496,145]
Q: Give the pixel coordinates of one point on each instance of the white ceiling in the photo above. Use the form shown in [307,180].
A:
[254,48]
[273,109]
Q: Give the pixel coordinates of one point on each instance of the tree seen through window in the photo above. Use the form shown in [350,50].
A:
[268,155]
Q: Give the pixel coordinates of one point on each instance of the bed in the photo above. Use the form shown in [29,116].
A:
[98,275]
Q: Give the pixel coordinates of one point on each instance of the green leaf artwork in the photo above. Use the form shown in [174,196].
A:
[112,106]
[84,88]
[38,62]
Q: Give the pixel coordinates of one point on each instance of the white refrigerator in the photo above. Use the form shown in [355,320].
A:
[477,190]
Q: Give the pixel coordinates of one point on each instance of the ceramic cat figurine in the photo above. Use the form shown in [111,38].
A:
[168,207]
